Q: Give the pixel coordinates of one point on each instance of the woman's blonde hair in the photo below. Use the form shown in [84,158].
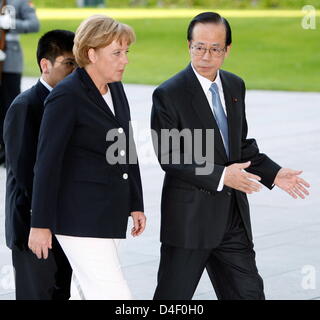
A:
[98,31]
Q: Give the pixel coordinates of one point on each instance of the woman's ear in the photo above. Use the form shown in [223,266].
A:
[92,55]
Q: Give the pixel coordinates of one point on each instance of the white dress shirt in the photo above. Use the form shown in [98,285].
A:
[108,99]
[206,84]
[45,84]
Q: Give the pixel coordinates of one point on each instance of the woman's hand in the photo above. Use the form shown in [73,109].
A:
[139,223]
[40,240]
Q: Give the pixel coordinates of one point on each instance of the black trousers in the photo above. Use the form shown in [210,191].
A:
[39,279]
[231,267]
[9,89]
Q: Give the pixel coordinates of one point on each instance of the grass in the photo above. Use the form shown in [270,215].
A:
[270,48]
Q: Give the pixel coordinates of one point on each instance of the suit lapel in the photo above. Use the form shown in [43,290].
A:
[202,108]
[39,96]
[42,92]
[231,114]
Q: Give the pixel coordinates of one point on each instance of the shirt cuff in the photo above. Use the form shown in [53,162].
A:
[221,183]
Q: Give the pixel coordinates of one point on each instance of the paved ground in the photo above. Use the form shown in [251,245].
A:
[286,231]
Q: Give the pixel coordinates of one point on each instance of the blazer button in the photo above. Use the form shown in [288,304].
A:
[125,176]
[120,130]
[122,153]
[229,193]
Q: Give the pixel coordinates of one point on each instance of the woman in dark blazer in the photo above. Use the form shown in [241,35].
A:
[79,194]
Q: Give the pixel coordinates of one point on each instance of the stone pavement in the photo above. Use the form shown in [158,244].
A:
[286,231]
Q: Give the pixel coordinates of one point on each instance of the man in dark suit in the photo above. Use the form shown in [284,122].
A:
[34,279]
[205,220]
[16,17]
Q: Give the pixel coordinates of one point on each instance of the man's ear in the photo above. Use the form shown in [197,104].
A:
[228,50]
[45,65]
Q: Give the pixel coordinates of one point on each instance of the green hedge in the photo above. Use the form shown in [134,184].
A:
[226,4]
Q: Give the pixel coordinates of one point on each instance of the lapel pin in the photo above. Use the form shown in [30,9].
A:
[235,99]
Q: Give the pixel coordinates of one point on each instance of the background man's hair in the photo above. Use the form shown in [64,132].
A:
[210,17]
[54,44]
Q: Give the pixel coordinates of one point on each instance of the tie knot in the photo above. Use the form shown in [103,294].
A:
[214,88]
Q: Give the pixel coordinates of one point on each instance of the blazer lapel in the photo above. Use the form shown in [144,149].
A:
[202,108]
[94,93]
[119,104]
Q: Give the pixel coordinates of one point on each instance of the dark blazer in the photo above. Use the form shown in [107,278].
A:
[76,191]
[193,213]
[21,129]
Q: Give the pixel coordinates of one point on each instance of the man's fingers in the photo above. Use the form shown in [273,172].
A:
[38,252]
[45,252]
[245,188]
[292,194]
[304,190]
[253,176]
[244,165]
[252,185]
[298,192]
[304,182]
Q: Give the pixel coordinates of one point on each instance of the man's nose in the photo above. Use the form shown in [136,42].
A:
[207,55]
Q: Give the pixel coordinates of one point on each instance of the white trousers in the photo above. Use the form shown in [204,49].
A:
[96,268]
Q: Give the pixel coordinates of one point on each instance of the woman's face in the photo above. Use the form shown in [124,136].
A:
[109,62]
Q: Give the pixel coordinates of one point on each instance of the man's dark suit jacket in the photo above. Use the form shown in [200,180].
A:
[21,129]
[193,214]
[76,191]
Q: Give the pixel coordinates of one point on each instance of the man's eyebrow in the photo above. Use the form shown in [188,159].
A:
[212,44]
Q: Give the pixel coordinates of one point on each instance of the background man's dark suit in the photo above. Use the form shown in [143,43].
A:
[84,194]
[47,279]
[193,214]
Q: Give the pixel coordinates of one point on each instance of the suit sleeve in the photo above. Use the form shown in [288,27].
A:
[163,117]
[13,132]
[261,164]
[20,136]
[27,20]
[55,132]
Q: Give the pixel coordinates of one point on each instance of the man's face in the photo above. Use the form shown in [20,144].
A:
[110,61]
[208,36]
[62,66]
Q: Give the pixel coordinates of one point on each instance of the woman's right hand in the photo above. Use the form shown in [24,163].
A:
[40,240]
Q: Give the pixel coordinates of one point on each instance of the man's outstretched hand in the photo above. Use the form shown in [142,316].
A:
[237,178]
[289,181]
